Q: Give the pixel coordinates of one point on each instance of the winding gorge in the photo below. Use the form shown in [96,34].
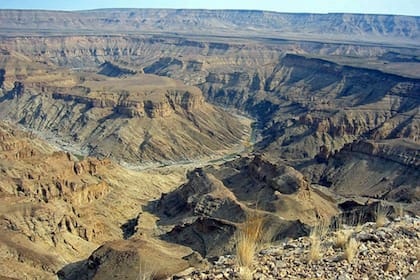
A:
[150,136]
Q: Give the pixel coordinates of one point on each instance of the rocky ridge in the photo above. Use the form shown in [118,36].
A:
[384,169]
[56,209]
[388,252]
[206,211]
[38,184]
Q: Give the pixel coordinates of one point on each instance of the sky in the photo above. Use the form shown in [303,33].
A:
[400,7]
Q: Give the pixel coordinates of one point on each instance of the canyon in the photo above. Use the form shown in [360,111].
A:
[125,130]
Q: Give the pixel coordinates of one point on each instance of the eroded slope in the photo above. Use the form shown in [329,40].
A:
[138,119]
[56,210]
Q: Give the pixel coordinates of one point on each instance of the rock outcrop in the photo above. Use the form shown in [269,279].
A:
[111,70]
[41,193]
[205,212]
[387,252]
[57,176]
[130,260]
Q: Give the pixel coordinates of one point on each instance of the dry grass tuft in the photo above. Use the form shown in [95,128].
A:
[315,237]
[342,233]
[350,250]
[315,250]
[248,240]
[245,250]
[358,227]
[145,273]
[342,237]
[357,221]
[338,223]
[321,228]
[381,214]
[399,210]
[253,227]
[245,273]
[146,276]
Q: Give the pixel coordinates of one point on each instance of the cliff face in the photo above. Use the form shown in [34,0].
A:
[163,104]
[387,169]
[153,54]
[141,118]
[305,103]
[41,194]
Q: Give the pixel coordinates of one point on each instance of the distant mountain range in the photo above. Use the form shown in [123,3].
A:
[352,27]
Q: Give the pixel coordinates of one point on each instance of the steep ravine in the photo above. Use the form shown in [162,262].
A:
[304,106]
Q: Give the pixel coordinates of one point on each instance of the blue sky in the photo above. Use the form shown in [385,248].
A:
[402,7]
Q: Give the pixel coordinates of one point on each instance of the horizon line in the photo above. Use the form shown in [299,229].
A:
[204,9]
